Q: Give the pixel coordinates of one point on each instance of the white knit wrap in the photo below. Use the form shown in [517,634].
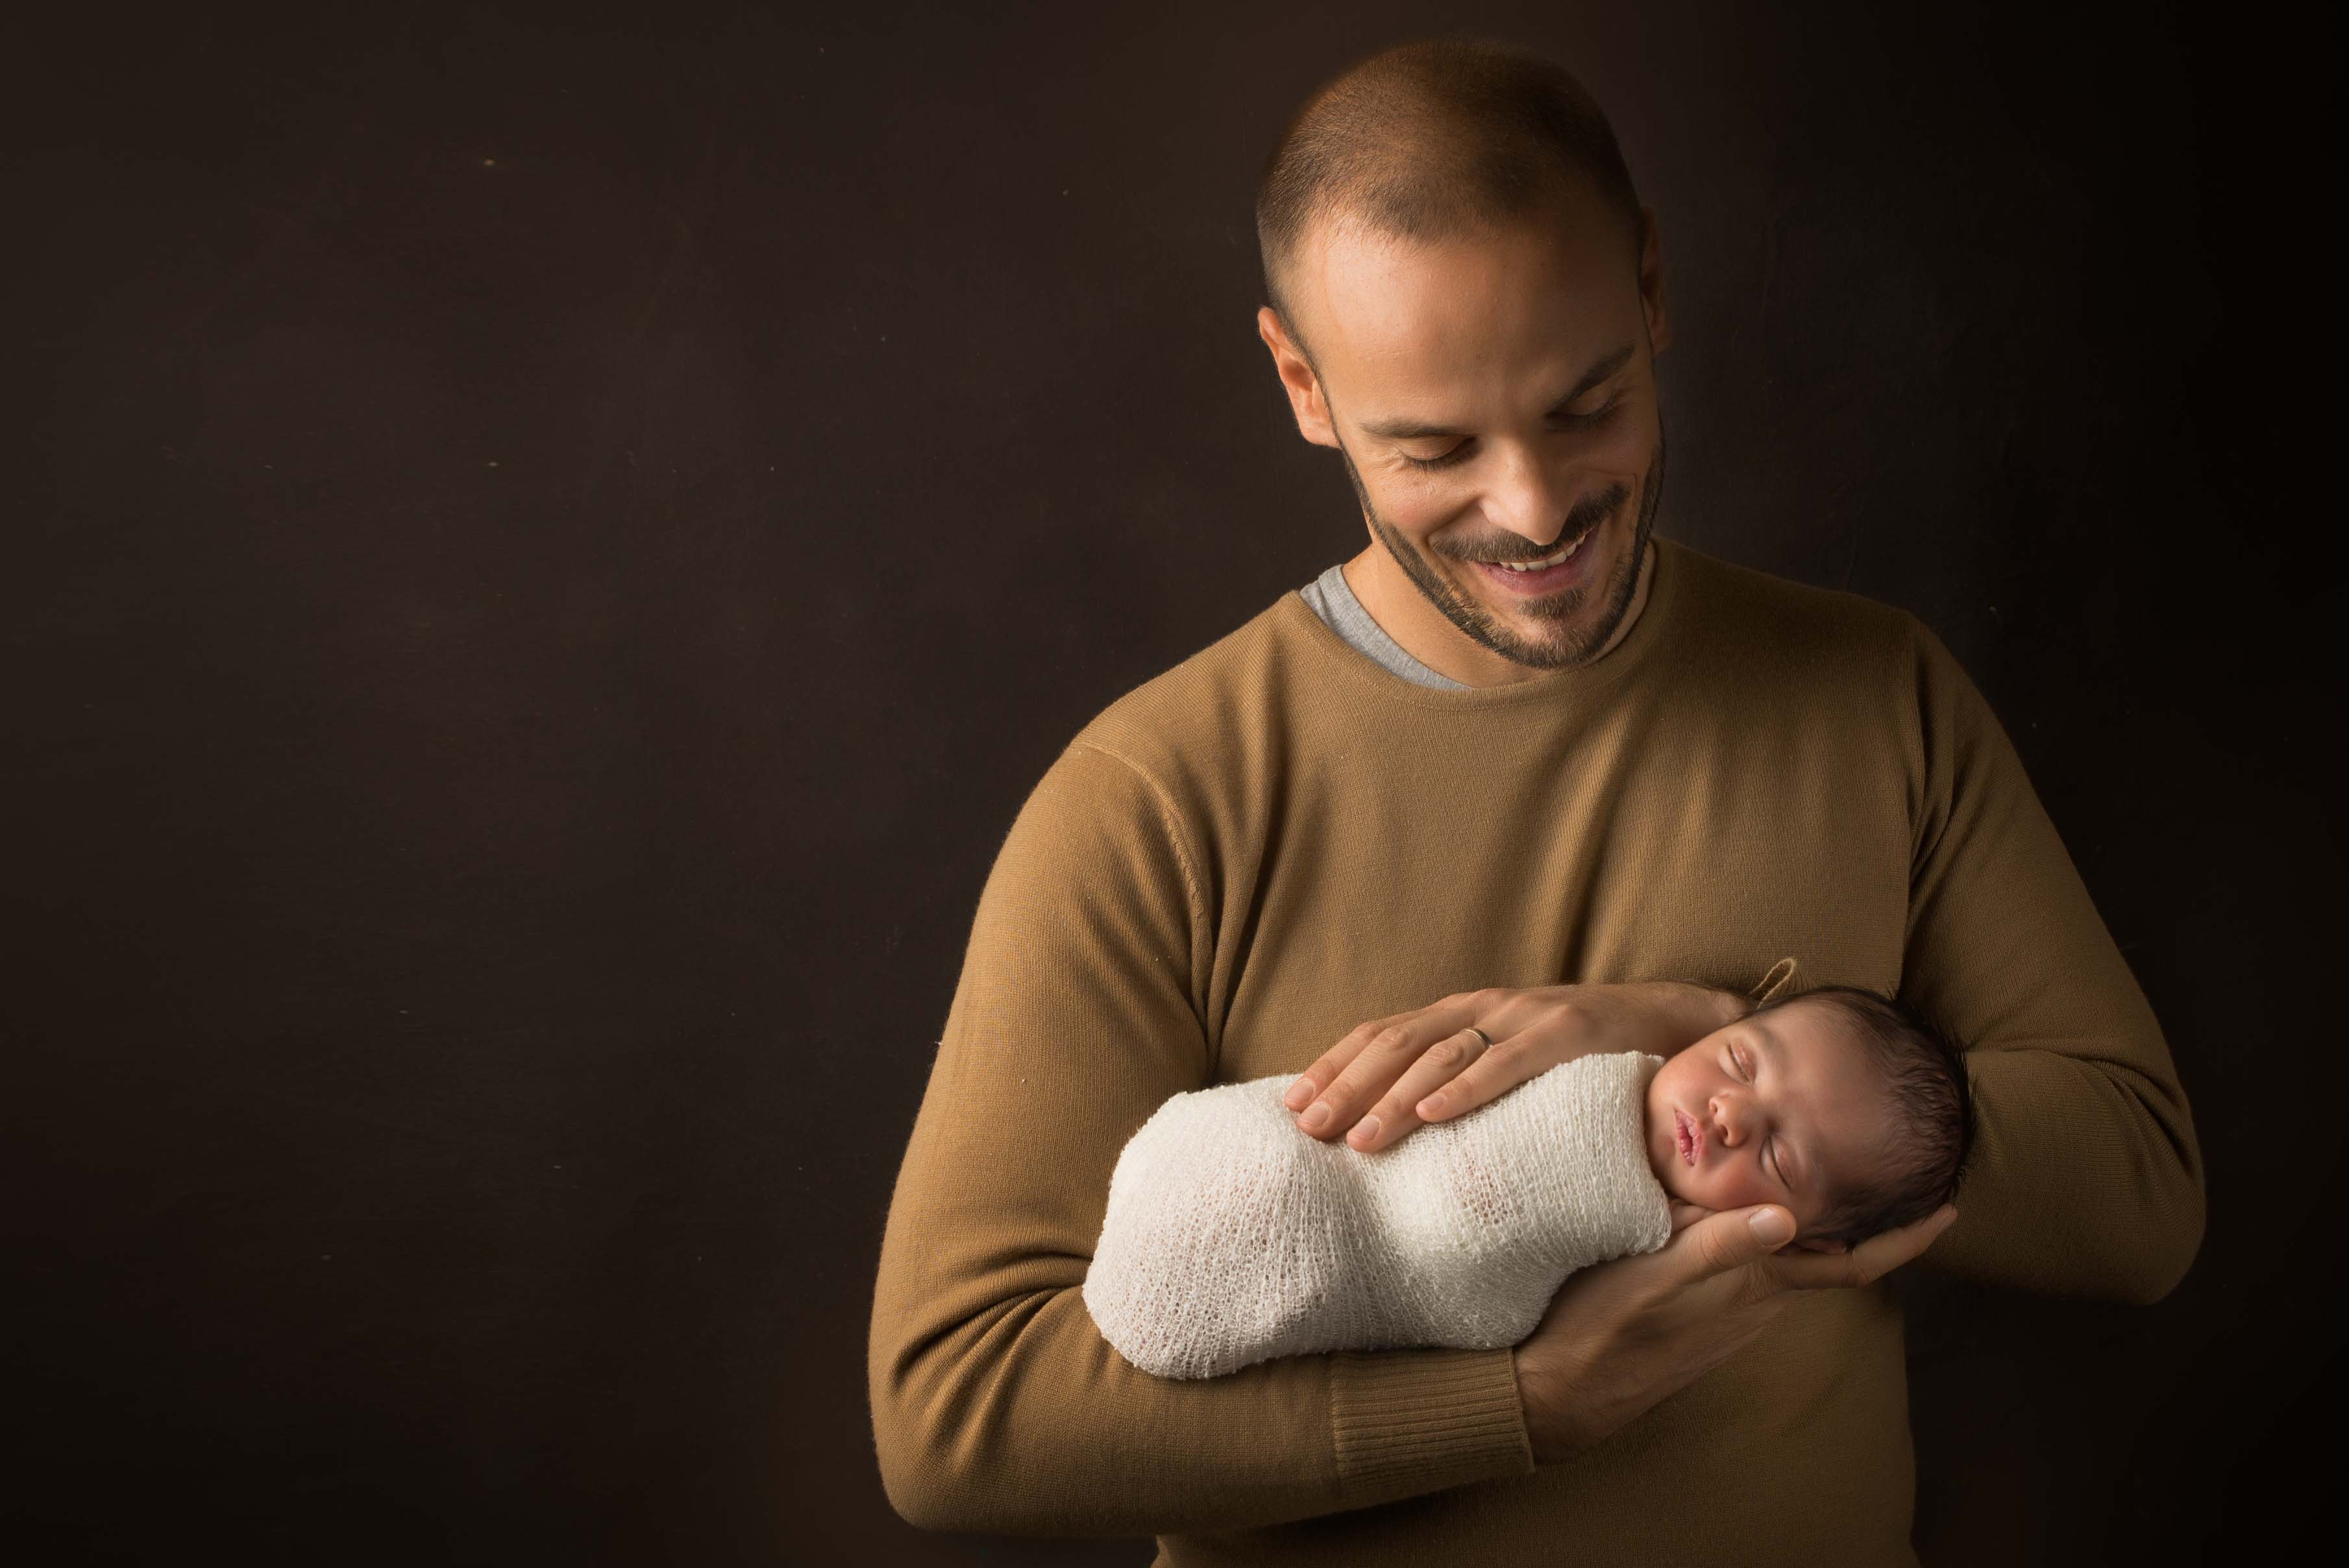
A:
[1232,1237]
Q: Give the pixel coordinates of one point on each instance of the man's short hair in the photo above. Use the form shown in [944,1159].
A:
[1434,140]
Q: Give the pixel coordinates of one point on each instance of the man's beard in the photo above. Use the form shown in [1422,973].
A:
[1615,594]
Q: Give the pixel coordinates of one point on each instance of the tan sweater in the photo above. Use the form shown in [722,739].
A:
[1238,862]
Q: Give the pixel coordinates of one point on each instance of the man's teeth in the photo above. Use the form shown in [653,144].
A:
[1545,561]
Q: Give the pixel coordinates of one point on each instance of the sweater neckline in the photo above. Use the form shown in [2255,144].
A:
[1580,682]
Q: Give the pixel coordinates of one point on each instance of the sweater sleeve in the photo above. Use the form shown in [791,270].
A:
[2086,1178]
[997,1404]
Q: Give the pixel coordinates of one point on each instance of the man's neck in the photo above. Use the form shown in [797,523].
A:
[1427,634]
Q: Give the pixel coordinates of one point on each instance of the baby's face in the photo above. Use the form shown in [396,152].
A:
[1784,1108]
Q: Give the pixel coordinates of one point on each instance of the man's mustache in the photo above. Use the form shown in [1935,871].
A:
[1596,514]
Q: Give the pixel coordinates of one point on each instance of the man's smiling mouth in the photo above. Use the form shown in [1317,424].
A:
[1563,567]
[1562,552]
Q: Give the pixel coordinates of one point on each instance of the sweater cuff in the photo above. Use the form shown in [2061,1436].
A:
[1414,1421]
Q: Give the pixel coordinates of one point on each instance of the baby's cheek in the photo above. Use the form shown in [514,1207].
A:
[1739,1191]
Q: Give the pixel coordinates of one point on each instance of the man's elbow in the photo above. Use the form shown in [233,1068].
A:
[2160,1270]
[2137,1253]
[916,1456]
[925,1494]
[933,1409]
[2153,1232]
[930,1487]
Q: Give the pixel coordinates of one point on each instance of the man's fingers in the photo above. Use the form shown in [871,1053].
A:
[1735,1237]
[1382,1049]
[1865,1263]
[1685,1214]
[1880,1255]
[1314,1081]
[1436,1067]
[1734,1240]
[1491,1073]
[1376,1067]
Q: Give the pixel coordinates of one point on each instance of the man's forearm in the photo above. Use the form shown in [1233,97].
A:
[2085,1178]
[2085,1183]
[997,1404]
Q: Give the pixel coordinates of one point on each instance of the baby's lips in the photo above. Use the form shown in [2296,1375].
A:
[1684,1139]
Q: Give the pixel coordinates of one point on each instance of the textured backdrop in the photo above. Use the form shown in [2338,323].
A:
[543,553]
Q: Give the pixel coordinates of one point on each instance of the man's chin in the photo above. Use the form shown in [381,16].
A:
[1544,633]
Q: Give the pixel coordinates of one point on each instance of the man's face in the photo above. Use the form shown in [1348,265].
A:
[1494,400]
[1784,1107]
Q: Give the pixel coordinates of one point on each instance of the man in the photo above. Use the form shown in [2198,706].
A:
[1430,791]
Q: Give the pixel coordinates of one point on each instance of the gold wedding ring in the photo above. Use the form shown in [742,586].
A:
[1481,1035]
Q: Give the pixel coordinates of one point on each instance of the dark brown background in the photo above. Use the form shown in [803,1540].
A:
[545,553]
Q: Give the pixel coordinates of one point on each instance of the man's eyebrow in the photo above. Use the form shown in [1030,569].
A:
[1402,429]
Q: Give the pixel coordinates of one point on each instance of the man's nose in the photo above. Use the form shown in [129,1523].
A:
[1534,501]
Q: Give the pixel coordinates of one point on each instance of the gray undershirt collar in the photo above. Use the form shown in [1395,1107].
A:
[1333,600]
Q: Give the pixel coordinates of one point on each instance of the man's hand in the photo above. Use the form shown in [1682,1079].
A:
[1685,1214]
[1424,1066]
[1620,1337]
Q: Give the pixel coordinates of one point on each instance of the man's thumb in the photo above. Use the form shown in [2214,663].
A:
[1773,1227]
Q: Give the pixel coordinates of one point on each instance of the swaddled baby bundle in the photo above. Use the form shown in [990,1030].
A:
[1231,1237]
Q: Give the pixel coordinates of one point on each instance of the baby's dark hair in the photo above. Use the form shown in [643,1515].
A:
[1933,1113]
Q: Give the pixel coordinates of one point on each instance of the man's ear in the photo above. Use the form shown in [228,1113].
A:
[1297,379]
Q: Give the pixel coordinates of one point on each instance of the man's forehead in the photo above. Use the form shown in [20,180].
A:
[1411,330]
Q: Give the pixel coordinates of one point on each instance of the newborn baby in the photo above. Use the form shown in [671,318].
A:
[1232,1237]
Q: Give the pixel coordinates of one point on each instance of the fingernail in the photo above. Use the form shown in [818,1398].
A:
[1317,1118]
[1770,1227]
[1364,1130]
[1431,1106]
[1299,1093]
